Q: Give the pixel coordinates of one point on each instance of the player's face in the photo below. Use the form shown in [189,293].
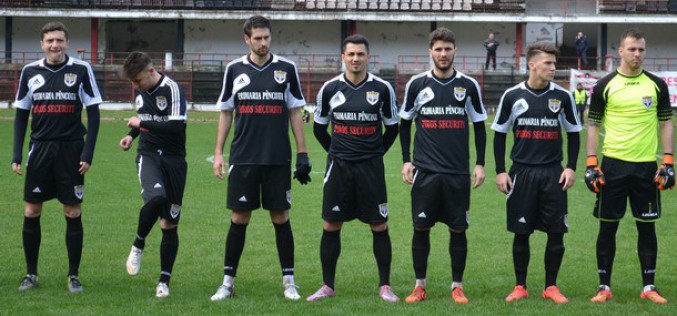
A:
[144,80]
[356,58]
[632,52]
[543,66]
[259,42]
[443,54]
[54,44]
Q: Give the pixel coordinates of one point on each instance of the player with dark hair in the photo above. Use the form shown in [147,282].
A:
[536,186]
[264,91]
[161,163]
[357,103]
[632,105]
[442,102]
[55,89]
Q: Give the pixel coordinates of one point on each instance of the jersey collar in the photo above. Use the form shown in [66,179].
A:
[43,64]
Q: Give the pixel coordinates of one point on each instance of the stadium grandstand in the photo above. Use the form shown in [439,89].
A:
[193,40]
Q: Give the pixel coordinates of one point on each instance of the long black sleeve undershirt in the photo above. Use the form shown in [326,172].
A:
[322,136]
[20,126]
[93,119]
[389,136]
[499,151]
[480,142]
[405,140]
[134,132]
[573,146]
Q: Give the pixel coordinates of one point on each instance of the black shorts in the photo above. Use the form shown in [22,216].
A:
[355,189]
[536,200]
[163,176]
[633,180]
[440,197]
[253,186]
[52,172]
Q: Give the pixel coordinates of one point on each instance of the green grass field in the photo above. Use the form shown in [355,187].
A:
[110,211]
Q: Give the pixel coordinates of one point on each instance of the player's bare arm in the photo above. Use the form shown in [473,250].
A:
[503,182]
[225,121]
[478,176]
[567,179]
[408,172]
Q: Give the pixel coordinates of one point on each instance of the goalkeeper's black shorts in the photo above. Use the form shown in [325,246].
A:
[536,201]
[628,180]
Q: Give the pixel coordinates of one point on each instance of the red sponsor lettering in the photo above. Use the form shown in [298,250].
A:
[547,135]
[246,109]
[443,124]
[429,123]
[340,129]
[54,108]
[355,130]
[260,109]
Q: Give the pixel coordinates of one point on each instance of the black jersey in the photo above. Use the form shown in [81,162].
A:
[442,110]
[356,113]
[537,118]
[163,115]
[56,98]
[261,98]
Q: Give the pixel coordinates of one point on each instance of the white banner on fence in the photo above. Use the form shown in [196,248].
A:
[589,78]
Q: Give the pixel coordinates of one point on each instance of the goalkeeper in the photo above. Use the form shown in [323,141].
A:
[631,104]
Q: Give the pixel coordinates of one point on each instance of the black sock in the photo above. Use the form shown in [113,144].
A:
[31,238]
[647,249]
[520,257]
[458,251]
[169,247]
[606,251]
[330,249]
[384,255]
[285,247]
[554,253]
[74,236]
[148,215]
[420,249]
[234,247]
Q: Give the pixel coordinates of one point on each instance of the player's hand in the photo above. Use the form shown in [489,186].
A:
[219,166]
[133,122]
[665,176]
[303,168]
[16,167]
[594,178]
[567,179]
[477,176]
[408,172]
[126,142]
[84,167]
[503,182]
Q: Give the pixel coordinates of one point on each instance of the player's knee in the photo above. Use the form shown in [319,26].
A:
[165,224]
[457,230]
[72,211]
[32,210]
[241,217]
[377,228]
[332,226]
[279,217]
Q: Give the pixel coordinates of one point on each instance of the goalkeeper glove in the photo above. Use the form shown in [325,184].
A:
[303,167]
[594,178]
[665,176]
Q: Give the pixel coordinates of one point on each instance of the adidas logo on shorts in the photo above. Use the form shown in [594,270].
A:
[37,190]
[157,186]
[336,209]
[422,215]
[243,199]
[522,220]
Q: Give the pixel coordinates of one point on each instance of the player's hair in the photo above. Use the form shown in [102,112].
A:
[355,39]
[256,22]
[442,34]
[52,27]
[135,63]
[634,33]
[541,47]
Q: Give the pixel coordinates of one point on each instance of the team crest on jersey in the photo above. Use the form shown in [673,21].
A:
[459,93]
[426,95]
[161,102]
[383,209]
[79,191]
[175,210]
[280,76]
[337,100]
[240,82]
[372,97]
[138,102]
[69,79]
[554,105]
[647,101]
[36,82]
